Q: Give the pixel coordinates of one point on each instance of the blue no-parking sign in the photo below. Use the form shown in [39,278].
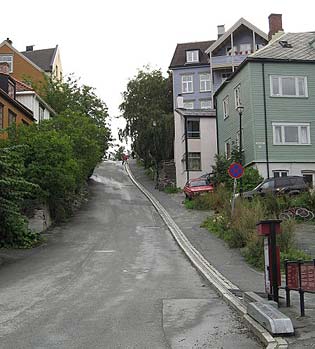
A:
[236,170]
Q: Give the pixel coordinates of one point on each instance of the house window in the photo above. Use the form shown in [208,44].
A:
[193,128]
[280,173]
[227,148]
[225,76]
[288,86]
[1,116]
[291,134]
[187,84]
[189,104]
[237,95]
[8,59]
[205,104]
[245,49]
[230,51]
[308,177]
[194,161]
[12,117]
[192,56]
[204,82]
[259,46]
[41,113]
[226,110]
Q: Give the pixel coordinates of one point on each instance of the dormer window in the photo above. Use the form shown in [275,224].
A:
[192,56]
[7,59]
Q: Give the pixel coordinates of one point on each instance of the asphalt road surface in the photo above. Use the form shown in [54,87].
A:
[113,277]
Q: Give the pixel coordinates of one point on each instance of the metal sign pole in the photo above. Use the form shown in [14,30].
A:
[233,199]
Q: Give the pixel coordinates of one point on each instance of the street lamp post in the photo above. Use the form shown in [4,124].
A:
[240,110]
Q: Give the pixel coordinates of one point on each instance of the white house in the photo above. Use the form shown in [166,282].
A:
[28,97]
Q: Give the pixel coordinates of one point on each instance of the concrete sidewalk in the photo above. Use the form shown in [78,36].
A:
[229,261]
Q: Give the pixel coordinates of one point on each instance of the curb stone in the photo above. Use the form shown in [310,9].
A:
[222,285]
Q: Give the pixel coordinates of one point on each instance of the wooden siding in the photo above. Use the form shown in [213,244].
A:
[228,128]
[278,109]
[20,117]
[283,109]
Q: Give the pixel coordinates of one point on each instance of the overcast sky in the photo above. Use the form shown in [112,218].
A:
[105,42]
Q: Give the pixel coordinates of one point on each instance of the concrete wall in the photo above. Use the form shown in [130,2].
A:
[41,219]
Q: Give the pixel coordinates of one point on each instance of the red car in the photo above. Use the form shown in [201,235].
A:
[197,186]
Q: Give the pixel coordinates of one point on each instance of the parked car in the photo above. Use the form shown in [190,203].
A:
[197,186]
[290,185]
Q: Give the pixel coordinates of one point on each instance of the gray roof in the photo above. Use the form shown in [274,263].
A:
[289,46]
[179,57]
[196,112]
[42,58]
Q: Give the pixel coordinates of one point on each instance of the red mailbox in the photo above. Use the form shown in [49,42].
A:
[269,229]
[264,227]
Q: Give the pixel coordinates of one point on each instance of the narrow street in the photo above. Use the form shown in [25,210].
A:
[113,277]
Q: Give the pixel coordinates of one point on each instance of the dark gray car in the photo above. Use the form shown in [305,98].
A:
[290,185]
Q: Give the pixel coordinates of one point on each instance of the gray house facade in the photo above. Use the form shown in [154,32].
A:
[276,87]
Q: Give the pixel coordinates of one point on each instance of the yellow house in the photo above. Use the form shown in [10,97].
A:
[31,64]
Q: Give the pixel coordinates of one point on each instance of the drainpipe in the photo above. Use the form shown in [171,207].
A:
[265,117]
[186,148]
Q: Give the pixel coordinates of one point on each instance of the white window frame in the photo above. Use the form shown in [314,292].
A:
[228,154]
[9,61]
[192,56]
[194,156]
[193,134]
[188,85]
[281,172]
[280,78]
[204,82]
[237,96]
[283,125]
[226,107]
[189,104]
[205,101]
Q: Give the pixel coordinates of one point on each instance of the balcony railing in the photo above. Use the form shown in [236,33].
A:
[225,61]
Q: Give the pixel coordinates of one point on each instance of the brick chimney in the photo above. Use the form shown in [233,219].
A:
[4,68]
[275,24]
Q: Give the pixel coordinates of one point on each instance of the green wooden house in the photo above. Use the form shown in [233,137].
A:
[276,88]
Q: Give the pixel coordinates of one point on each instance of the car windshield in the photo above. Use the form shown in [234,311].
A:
[198,183]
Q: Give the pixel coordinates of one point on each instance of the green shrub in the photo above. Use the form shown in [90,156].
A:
[172,190]
[190,204]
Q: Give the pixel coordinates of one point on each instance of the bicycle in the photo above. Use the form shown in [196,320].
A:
[297,213]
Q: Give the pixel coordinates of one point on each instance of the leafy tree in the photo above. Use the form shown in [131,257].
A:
[68,98]
[14,189]
[147,108]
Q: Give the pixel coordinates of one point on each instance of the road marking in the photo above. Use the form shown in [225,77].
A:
[105,251]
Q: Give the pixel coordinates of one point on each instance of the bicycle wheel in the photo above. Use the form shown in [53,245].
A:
[302,212]
[285,216]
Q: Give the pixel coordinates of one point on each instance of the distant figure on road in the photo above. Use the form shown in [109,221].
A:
[124,158]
